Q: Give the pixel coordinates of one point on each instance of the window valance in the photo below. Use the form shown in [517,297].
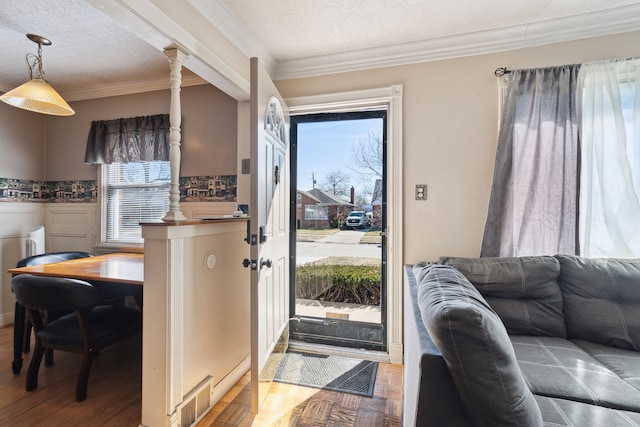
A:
[134,139]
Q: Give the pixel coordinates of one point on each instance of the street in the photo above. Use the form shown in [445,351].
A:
[344,243]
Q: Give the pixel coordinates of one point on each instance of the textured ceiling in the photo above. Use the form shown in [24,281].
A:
[93,55]
[89,50]
[293,29]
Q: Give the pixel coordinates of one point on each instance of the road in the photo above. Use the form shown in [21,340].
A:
[344,243]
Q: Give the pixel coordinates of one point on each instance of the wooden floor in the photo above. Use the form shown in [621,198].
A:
[289,405]
[114,396]
[114,393]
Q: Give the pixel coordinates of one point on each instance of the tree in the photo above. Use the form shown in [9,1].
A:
[366,157]
[337,182]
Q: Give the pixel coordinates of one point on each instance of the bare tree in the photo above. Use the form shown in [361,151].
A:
[337,182]
[366,157]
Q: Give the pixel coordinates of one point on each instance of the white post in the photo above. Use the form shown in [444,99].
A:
[176,58]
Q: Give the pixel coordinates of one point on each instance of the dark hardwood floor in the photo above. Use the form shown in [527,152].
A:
[115,390]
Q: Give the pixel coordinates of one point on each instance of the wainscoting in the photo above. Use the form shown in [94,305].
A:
[16,220]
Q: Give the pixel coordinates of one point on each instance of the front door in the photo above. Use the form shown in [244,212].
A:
[338,239]
[269,232]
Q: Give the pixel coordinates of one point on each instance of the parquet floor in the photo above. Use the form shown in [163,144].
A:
[114,396]
[296,406]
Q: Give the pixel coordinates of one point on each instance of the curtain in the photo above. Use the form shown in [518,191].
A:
[134,139]
[609,95]
[533,203]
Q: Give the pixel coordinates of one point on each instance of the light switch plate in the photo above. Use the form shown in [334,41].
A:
[246,166]
[421,191]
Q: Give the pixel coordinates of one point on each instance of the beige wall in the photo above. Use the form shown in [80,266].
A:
[208,131]
[22,150]
[450,127]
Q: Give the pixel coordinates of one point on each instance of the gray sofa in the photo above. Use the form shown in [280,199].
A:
[527,341]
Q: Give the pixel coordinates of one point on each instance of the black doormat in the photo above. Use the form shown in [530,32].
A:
[334,373]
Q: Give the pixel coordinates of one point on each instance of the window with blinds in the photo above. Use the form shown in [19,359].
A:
[134,193]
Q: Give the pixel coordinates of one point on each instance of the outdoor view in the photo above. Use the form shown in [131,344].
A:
[339,219]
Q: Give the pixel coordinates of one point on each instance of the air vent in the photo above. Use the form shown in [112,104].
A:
[196,403]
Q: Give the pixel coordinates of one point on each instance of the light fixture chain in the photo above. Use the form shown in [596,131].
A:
[35,61]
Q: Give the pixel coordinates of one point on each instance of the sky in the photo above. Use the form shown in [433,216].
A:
[326,146]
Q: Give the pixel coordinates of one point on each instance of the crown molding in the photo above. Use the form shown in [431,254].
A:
[606,22]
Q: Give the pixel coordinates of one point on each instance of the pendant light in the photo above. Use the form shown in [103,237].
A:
[37,94]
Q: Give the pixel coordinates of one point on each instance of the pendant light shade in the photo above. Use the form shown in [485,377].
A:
[37,94]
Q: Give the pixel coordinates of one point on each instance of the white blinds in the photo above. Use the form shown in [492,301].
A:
[135,192]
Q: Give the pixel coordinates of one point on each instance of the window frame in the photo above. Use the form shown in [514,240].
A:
[317,209]
[105,189]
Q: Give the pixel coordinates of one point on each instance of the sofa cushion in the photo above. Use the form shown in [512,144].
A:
[602,300]
[625,363]
[476,349]
[556,367]
[523,291]
[567,413]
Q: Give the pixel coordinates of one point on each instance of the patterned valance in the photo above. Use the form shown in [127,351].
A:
[134,139]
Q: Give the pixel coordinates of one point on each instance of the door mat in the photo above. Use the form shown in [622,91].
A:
[334,373]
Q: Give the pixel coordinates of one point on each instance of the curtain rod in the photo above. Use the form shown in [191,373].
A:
[501,71]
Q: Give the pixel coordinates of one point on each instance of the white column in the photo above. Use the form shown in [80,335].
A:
[176,58]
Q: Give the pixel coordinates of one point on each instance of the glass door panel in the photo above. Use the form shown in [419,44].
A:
[338,234]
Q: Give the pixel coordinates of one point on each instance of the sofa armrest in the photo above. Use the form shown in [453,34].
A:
[430,397]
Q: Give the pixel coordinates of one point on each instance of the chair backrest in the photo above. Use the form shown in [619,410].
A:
[54,293]
[51,257]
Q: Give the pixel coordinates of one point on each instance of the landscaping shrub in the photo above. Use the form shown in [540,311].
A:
[359,284]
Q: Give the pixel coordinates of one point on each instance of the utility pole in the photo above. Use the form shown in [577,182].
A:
[313,180]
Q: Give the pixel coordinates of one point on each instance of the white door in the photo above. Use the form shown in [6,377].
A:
[269,229]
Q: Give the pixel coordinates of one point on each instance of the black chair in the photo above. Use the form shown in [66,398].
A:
[87,330]
[21,327]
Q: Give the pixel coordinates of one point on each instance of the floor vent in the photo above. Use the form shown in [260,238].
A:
[196,403]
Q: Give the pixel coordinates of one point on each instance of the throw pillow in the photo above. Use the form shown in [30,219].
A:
[477,350]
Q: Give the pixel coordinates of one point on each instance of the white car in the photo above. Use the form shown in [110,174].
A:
[358,219]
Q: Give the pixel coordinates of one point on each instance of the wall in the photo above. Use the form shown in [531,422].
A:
[22,149]
[209,131]
[450,124]
[196,317]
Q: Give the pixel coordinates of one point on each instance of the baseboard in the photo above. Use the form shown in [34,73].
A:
[396,353]
[232,378]
[7,319]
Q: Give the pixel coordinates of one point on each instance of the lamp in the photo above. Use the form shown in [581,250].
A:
[37,94]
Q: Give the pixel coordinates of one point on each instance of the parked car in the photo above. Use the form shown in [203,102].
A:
[358,219]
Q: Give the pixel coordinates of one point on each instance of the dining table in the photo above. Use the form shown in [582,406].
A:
[115,268]
[115,275]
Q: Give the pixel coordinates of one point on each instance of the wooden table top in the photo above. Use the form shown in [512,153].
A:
[117,268]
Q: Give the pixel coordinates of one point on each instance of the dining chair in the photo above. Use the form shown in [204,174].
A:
[88,329]
[21,326]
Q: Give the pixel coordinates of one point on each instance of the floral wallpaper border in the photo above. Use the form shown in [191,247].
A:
[215,188]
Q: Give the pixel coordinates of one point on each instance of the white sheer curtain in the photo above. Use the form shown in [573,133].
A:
[609,118]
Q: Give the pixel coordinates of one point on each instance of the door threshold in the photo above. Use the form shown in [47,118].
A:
[332,350]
